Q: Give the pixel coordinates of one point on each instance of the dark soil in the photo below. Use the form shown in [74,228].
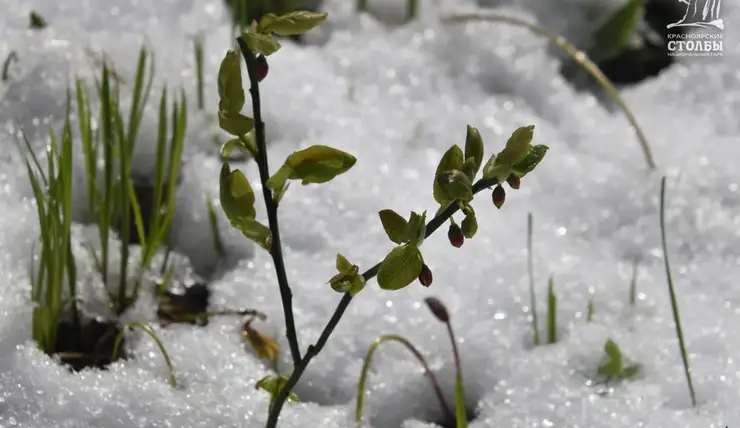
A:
[444,423]
[181,304]
[89,345]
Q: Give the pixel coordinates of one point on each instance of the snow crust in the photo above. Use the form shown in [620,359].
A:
[397,98]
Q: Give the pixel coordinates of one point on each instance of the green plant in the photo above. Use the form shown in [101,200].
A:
[215,234]
[36,21]
[198,55]
[12,56]
[576,55]
[615,368]
[56,266]
[453,188]
[114,201]
[417,354]
[148,330]
[590,310]
[439,310]
[633,284]
[672,292]
[552,312]
[530,270]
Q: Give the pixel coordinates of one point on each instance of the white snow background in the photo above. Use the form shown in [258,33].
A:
[397,98]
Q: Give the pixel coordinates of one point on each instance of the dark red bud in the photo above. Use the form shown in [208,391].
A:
[261,67]
[498,196]
[455,235]
[425,277]
[514,181]
[439,310]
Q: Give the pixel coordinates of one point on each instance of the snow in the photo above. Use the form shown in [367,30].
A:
[397,98]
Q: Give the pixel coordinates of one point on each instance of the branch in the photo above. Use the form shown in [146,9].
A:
[313,350]
[276,251]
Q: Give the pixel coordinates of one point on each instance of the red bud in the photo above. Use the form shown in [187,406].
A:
[455,235]
[425,277]
[261,67]
[439,310]
[514,181]
[498,196]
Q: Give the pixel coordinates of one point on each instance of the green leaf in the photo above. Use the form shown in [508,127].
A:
[230,89]
[517,146]
[343,265]
[36,21]
[236,194]
[452,159]
[291,24]
[474,149]
[416,229]
[235,123]
[460,411]
[260,43]
[469,168]
[400,267]
[455,185]
[613,366]
[395,226]
[469,226]
[254,230]
[316,164]
[274,384]
[530,160]
[229,146]
[613,35]
[281,192]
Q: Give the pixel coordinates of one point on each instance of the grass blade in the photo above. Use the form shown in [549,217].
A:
[213,220]
[672,292]
[552,312]
[198,52]
[148,330]
[530,269]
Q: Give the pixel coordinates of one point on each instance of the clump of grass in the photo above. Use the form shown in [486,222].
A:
[416,353]
[56,267]
[672,292]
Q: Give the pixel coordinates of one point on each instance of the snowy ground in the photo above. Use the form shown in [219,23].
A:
[397,98]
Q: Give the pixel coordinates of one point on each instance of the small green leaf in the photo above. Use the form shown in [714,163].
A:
[230,89]
[474,149]
[343,265]
[274,384]
[351,282]
[236,194]
[455,185]
[36,21]
[229,146]
[517,146]
[530,160]
[469,226]
[631,371]
[395,226]
[291,24]
[316,164]
[400,267]
[235,123]
[416,229]
[254,230]
[614,33]
[260,43]
[281,192]
[613,366]
[451,160]
[469,168]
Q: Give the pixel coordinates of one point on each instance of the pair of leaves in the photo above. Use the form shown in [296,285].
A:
[401,231]
[614,367]
[315,164]
[456,170]
[237,200]
[231,95]
[260,40]
[518,157]
[348,280]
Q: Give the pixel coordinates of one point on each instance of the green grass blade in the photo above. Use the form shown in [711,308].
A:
[12,56]
[108,142]
[633,284]
[148,330]
[159,168]
[460,412]
[89,149]
[672,292]
[198,53]
[552,312]
[215,234]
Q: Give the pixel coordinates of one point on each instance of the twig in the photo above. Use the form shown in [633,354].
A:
[313,350]
[276,251]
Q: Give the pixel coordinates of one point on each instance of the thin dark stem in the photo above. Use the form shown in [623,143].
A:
[313,350]
[276,250]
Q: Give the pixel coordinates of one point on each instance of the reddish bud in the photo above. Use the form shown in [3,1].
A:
[439,310]
[455,235]
[498,196]
[261,67]
[425,277]
[514,181]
